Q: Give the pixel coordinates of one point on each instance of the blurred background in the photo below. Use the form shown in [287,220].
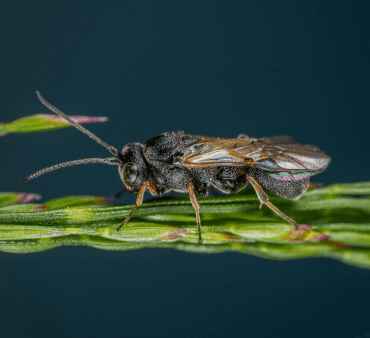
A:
[211,68]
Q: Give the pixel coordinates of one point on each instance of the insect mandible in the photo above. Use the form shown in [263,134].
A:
[189,163]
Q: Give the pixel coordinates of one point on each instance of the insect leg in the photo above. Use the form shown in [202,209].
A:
[195,204]
[214,191]
[264,199]
[139,199]
[114,197]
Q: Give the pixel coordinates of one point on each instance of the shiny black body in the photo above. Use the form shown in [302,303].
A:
[189,163]
[159,160]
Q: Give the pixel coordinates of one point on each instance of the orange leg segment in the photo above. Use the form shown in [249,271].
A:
[195,204]
[264,199]
[139,199]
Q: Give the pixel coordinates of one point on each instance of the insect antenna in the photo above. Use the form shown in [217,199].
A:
[112,150]
[109,160]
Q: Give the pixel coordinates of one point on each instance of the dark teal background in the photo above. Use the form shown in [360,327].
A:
[215,68]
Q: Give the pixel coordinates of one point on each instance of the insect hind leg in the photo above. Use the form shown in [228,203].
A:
[264,199]
[195,204]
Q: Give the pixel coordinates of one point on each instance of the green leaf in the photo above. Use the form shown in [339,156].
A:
[334,222]
[44,122]
[72,201]
[10,198]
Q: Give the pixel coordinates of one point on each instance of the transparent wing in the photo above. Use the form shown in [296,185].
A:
[281,156]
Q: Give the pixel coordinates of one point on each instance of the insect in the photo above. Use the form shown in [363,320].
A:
[189,163]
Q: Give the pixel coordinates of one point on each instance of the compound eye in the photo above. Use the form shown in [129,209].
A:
[131,174]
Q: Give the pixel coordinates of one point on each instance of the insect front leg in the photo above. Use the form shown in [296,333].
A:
[139,199]
[195,204]
[264,199]
[116,196]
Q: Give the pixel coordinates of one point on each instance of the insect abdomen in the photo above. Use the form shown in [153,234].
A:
[291,190]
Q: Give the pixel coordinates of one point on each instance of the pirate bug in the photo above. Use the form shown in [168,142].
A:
[189,163]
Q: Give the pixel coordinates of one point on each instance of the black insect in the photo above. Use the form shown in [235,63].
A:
[189,163]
